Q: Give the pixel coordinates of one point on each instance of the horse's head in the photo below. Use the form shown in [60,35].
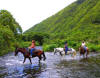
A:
[16,51]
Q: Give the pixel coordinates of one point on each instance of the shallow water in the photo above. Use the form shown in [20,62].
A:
[55,66]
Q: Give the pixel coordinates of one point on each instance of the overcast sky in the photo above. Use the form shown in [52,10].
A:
[30,12]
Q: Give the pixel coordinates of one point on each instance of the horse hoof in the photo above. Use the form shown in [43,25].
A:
[44,59]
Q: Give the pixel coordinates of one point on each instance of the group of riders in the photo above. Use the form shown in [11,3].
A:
[83,45]
[31,51]
[32,47]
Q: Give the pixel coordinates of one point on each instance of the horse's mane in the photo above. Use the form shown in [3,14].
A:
[22,49]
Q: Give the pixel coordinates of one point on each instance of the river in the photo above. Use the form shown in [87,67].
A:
[55,66]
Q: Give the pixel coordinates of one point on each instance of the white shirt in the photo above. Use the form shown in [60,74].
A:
[83,44]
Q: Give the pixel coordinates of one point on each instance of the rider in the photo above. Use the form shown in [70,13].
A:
[84,46]
[32,47]
[66,47]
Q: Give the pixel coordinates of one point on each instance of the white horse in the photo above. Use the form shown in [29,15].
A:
[62,52]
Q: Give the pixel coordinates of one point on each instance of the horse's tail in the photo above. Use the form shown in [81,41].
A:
[44,57]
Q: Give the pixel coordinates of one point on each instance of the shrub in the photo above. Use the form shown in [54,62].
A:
[93,47]
[49,47]
[26,44]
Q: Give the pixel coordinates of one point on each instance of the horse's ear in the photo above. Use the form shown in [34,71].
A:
[16,47]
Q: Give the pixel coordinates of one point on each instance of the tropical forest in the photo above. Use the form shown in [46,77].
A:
[77,22]
[65,44]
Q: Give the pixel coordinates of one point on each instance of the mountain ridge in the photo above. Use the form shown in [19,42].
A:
[79,18]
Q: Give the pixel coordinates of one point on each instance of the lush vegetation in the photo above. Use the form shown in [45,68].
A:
[39,37]
[75,23]
[10,32]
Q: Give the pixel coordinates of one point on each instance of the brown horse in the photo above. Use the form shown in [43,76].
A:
[26,54]
[83,52]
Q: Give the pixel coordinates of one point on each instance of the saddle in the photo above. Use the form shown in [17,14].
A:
[31,51]
[69,49]
[85,49]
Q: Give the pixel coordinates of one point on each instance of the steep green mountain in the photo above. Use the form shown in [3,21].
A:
[10,31]
[81,15]
[77,22]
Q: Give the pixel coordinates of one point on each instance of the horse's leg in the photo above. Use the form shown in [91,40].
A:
[30,60]
[24,59]
[55,52]
[87,53]
[44,56]
[60,53]
[39,58]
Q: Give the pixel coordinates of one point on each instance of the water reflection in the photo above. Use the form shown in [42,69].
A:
[26,70]
[84,68]
[55,66]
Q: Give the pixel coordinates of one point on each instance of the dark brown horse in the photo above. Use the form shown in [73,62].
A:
[26,54]
[83,51]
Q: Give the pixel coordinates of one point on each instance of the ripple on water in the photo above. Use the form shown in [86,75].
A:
[55,66]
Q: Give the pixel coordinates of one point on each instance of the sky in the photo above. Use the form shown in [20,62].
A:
[30,12]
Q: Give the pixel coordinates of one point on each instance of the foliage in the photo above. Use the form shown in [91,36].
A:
[49,47]
[75,23]
[6,19]
[93,47]
[39,37]
[10,32]
[26,44]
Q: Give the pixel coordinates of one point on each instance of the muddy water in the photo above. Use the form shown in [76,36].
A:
[55,66]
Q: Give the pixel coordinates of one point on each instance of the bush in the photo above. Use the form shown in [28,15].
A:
[93,47]
[49,47]
[26,44]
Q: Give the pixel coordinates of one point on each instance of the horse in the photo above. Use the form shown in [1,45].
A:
[61,51]
[26,54]
[83,51]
